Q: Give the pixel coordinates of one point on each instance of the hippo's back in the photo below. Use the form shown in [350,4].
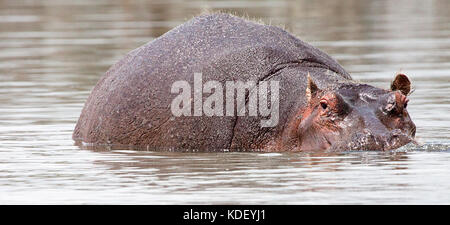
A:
[130,105]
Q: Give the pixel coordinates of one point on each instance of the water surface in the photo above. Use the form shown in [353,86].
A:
[53,52]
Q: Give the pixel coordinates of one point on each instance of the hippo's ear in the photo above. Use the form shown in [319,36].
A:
[311,88]
[401,83]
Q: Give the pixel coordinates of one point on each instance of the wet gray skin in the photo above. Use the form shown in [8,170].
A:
[130,104]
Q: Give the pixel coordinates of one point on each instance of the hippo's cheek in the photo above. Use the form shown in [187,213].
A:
[331,138]
[328,138]
[315,142]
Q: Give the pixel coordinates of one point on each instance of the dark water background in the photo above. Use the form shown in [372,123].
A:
[52,52]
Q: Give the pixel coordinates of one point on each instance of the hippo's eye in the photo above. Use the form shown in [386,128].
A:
[323,104]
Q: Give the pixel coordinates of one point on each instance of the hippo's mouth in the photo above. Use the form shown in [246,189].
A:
[368,141]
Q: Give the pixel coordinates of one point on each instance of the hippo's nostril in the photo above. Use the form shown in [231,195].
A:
[396,132]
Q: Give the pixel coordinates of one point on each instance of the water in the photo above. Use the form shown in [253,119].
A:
[53,52]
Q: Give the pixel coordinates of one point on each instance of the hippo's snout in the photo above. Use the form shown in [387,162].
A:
[396,139]
[388,141]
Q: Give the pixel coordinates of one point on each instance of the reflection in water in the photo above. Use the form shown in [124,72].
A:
[122,176]
[54,51]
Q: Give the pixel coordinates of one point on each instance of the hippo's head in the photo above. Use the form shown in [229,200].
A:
[356,117]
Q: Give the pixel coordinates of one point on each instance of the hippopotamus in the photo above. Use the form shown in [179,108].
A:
[316,103]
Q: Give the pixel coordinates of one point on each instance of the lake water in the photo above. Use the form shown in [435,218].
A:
[53,52]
